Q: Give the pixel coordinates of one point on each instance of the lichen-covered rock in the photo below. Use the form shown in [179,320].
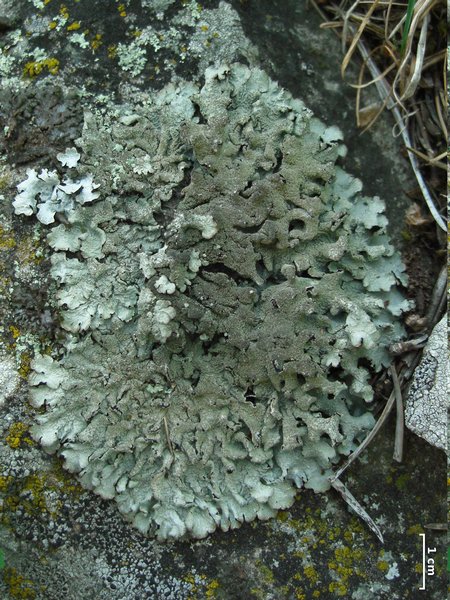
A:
[427,402]
[231,289]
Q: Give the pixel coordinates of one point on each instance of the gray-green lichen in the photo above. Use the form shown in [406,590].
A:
[224,297]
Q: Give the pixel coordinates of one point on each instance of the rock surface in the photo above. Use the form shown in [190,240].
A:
[428,400]
[60,541]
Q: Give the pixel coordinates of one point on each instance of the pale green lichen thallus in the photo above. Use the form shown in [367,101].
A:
[224,287]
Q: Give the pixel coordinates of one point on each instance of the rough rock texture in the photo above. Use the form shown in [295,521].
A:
[225,291]
[428,401]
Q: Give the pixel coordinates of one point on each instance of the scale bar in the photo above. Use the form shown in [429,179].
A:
[422,535]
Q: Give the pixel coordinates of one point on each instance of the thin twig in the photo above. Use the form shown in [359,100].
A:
[354,455]
[400,421]
[169,443]
[438,299]
[356,506]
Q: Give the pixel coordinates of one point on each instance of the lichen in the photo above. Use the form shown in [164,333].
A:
[17,437]
[231,292]
[18,586]
[34,68]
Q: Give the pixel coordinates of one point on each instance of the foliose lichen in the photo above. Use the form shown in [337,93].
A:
[224,298]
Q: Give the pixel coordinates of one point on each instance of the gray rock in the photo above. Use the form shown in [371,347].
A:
[428,400]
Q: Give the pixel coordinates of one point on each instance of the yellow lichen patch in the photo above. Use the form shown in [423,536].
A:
[15,331]
[190,578]
[24,368]
[347,563]
[112,51]
[338,588]
[29,251]
[212,588]
[96,42]
[7,241]
[18,586]
[204,27]
[52,25]
[5,482]
[266,573]
[63,11]
[311,574]
[61,480]
[122,12]
[16,435]
[28,494]
[383,565]
[5,180]
[74,26]
[34,68]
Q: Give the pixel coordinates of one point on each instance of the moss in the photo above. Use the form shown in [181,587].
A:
[18,586]
[17,437]
[415,530]
[401,481]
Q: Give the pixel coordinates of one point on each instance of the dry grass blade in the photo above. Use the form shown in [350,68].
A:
[438,299]
[437,526]
[431,160]
[354,455]
[418,62]
[400,421]
[404,61]
[166,429]
[357,508]
[357,35]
